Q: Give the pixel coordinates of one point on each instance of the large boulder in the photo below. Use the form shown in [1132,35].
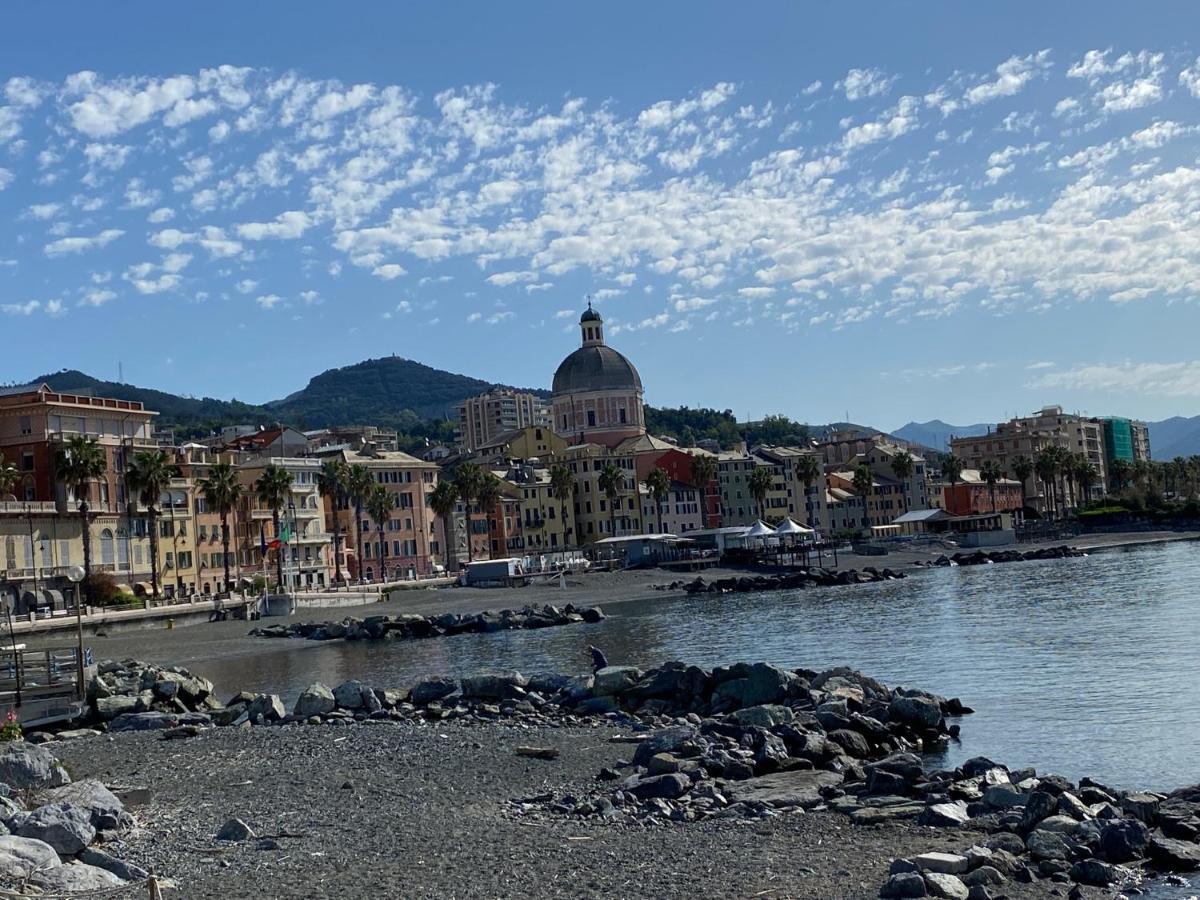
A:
[22,856]
[101,804]
[1124,840]
[665,787]
[943,885]
[65,827]
[110,707]
[349,694]
[765,716]
[1097,873]
[917,712]
[614,680]
[25,765]
[798,788]
[267,706]
[494,686]
[314,700]
[149,721]
[752,685]
[665,740]
[430,689]
[75,877]
[1177,856]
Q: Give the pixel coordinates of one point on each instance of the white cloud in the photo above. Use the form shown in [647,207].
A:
[81,244]
[503,279]
[812,88]
[287,226]
[1172,379]
[863,83]
[106,156]
[6,178]
[693,303]
[137,195]
[474,317]
[268,301]
[565,314]
[246,285]
[1011,75]
[898,121]
[160,215]
[21,309]
[44,210]
[1189,78]
[389,271]
[219,132]
[98,296]
[311,298]
[106,109]
[55,308]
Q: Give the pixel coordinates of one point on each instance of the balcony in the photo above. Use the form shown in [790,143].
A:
[21,507]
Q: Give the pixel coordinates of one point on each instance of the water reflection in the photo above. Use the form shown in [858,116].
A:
[1085,666]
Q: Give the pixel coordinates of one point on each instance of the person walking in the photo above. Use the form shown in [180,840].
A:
[599,660]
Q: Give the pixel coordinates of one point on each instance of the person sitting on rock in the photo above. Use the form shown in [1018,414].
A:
[599,660]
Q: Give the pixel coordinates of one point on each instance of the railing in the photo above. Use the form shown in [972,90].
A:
[40,685]
[39,507]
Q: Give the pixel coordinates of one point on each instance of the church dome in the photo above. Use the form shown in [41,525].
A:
[596,368]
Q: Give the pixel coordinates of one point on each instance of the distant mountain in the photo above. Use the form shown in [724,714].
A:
[936,433]
[1173,437]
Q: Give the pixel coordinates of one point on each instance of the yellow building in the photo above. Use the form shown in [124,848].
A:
[542,524]
[593,517]
[177,563]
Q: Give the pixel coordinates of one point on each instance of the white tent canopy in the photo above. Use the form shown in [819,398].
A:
[787,526]
[759,529]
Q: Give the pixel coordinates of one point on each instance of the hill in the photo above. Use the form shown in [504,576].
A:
[936,434]
[1176,436]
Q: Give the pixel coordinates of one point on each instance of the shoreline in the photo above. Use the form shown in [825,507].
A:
[343,802]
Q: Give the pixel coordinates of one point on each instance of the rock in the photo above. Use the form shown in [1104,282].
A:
[1173,855]
[977,765]
[65,827]
[613,680]
[1047,845]
[1059,824]
[1124,840]
[947,863]
[75,877]
[1070,805]
[111,707]
[882,815]
[314,700]
[430,689]
[797,788]
[592,614]
[104,810]
[269,706]
[235,830]
[903,885]
[1096,873]
[74,734]
[852,742]
[21,856]
[984,875]
[1003,796]
[663,764]
[144,721]
[494,686]
[665,787]
[764,716]
[752,685]
[1039,805]
[917,712]
[1142,806]
[349,695]
[665,740]
[945,815]
[126,871]
[1007,842]
[905,765]
[24,765]
[902,865]
[942,885]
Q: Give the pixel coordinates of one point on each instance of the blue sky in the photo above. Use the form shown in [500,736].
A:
[897,212]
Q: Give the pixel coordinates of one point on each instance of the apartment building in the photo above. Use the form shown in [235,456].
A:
[1027,436]
[592,516]
[195,462]
[307,555]
[1125,439]
[484,417]
[681,510]
[541,512]
[972,496]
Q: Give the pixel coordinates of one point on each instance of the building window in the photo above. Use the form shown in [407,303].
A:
[591,418]
[26,424]
[27,461]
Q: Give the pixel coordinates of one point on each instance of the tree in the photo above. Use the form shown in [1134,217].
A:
[379,507]
[359,483]
[610,481]
[78,463]
[864,483]
[148,476]
[222,493]
[442,500]
[658,482]
[1178,470]
[760,482]
[1047,467]
[466,480]
[808,470]
[8,477]
[1085,476]
[903,465]
[487,495]
[703,471]
[1119,472]
[991,472]
[952,468]
[273,488]
[562,485]
[1022,468]
[331,482]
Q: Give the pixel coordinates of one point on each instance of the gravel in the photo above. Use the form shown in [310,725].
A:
[386,809]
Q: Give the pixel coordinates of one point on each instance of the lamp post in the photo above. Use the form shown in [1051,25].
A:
[292,557]
[75,576]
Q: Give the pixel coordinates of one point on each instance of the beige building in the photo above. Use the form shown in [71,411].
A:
[593,518]
[308,555]
[789,496]
[483,418]
[679,512]
[543,526]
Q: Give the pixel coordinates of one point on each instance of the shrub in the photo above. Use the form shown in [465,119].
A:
[101,589]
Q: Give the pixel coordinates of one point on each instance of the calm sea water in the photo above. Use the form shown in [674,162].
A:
[1083,667]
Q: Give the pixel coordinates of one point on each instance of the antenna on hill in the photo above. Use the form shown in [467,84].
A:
[120,372]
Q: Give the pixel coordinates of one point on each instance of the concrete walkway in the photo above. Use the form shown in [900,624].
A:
[100,618]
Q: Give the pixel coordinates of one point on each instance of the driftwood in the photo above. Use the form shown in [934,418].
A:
[538,752]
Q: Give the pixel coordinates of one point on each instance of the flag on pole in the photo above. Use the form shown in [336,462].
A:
[285,532]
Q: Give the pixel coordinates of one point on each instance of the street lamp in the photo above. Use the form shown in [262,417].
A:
[75,576]
[293,557]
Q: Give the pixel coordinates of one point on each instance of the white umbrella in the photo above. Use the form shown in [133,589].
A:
[787,526]
[759,529]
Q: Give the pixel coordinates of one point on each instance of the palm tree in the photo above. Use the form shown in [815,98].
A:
[1085,476]
[703,471]
[148,476]
[610,481]
[1119,471]
[359,483]
[1022,468]
[903,465]
[442,500]
[659,484]
[1193,474]
[379,506]
[864,483]
[222,493]
[562,484]
[331,483]
[808,470]
[487,495]
[1178,471]
[952,468]
[466,479]
[991,472]
[1047,465]
[273,488]
[77,463]
[760,482]
[8,477]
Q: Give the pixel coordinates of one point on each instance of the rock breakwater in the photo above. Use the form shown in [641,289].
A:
[799,579]
[987,557]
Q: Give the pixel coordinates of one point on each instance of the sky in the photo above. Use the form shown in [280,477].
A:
[880,212]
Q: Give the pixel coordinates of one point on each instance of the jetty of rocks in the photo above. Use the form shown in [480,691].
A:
[801,578]
[985,557]
[411,626]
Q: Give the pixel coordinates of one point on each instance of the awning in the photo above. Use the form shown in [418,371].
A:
[124,589]
[787,526]
[143,588]
[759,529]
